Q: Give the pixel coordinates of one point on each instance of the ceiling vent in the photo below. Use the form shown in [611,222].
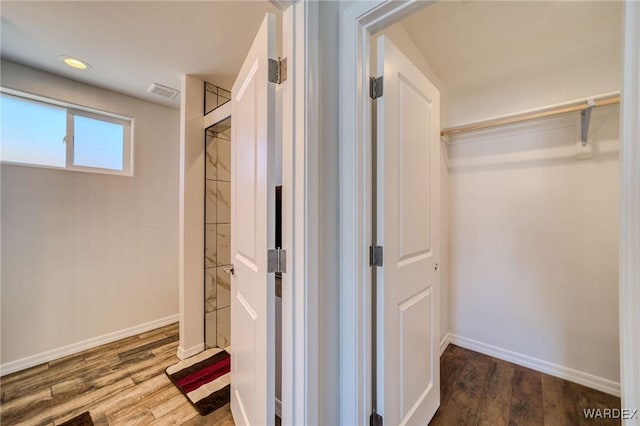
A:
[164,91]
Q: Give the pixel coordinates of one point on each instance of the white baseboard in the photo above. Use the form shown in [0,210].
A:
[444,343]
[278,408]
[50,355]
[189,352]
[580,377]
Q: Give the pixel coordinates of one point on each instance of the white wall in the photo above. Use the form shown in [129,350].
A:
[558,82]
[534,242]
[190,207]
[328,226]
[87,254]
[484,51]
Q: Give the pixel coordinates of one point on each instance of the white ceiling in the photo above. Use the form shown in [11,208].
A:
[468,43]
[133,44]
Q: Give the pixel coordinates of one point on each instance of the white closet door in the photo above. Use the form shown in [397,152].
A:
[252,233]
[407,190]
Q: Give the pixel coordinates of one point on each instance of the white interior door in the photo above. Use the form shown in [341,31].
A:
[252,233]
[407,210]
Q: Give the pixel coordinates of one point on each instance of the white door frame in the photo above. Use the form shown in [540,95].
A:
[630,213]
[357,23]
[300,216]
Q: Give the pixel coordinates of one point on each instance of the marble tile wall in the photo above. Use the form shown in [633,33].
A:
[217,238]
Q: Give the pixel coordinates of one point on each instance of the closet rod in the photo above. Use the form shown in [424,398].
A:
[517,118]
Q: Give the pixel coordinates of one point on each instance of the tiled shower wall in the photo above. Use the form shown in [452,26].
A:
[218,235]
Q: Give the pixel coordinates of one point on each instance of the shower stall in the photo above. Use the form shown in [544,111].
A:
[217,228]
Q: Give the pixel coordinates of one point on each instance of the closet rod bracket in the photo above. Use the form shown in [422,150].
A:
[585,116]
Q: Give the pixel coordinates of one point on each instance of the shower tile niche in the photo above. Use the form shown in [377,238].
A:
[217,234]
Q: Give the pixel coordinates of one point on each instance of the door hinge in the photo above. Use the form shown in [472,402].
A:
[375,256]
[375,419]
[276,260]
[278,70]
[375,87]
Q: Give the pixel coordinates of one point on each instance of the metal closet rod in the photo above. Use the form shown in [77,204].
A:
[582,105]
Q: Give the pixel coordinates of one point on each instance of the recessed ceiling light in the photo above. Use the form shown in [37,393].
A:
[74,62]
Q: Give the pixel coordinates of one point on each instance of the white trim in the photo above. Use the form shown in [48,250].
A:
[217,115]
[300,344]
[71,169]
[191,221]
[282,5]
[189,352]
[192,360]
[630,214]
[444,343]
[308,54]
[127,142]
[358,21]
[566,373]
[63,104]
[354,362]
[288,374]
[50,355]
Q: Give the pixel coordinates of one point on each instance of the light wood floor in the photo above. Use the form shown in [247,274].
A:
[121,383]
[476,389]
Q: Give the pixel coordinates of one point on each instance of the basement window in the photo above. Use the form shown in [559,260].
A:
[37,131]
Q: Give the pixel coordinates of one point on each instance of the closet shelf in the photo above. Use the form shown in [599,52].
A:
[576,106]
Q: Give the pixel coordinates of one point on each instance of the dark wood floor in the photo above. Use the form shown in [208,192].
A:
[480,390]
[121,383]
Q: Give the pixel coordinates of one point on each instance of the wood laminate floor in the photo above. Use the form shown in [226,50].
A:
[480,390]
[121,383]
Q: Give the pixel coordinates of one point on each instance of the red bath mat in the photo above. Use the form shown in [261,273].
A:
[205,379]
